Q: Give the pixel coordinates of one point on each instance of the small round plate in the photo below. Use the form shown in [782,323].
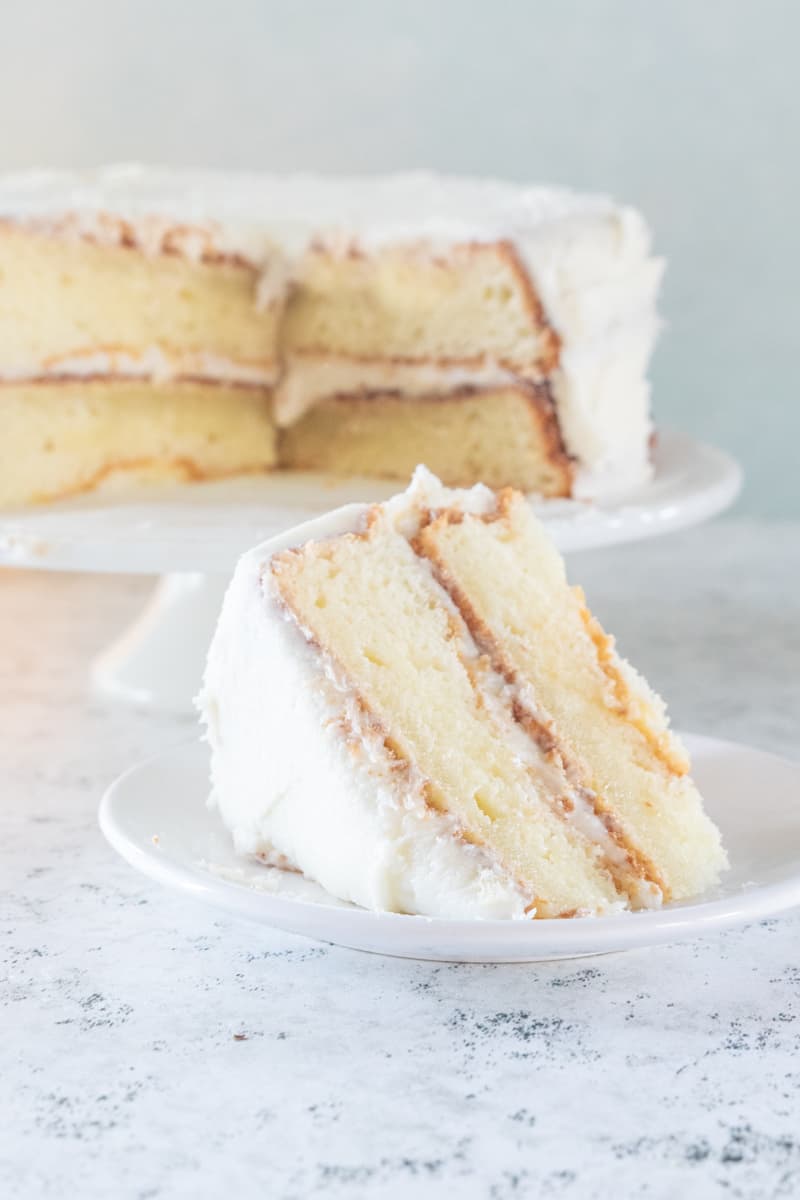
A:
[157,817]
[206,526]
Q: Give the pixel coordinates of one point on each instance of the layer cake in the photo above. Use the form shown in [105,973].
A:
[415,708]
[493,331]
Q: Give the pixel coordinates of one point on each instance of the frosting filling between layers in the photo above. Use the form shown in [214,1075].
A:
[154,363]
[308,379]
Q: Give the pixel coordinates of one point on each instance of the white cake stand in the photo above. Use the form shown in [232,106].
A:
[192,536]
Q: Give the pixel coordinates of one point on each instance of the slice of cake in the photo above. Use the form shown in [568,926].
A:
[410,704]
[493,331]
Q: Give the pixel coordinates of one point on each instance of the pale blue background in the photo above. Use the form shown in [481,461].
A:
[688,108]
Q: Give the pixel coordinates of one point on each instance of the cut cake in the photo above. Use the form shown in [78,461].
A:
[356,326]
[414,708]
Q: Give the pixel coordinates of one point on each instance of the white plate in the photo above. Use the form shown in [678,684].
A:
[155,815]
[205,526]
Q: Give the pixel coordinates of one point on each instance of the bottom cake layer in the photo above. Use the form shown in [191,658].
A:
[506,436]
[69,436]
[66,436]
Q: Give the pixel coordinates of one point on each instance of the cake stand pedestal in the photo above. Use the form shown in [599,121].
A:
[193,535]
[157,661]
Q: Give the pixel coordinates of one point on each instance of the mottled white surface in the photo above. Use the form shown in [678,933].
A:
[659,1073]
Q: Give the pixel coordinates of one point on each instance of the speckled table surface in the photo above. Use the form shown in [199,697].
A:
[153,1049]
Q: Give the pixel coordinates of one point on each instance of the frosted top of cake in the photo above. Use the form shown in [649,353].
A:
[292,208]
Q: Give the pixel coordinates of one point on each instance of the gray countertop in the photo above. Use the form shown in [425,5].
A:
[151,1048]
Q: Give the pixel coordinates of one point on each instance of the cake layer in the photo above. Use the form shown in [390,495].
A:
[506,435]
[603,721]
[66,437]
[74,306]
[419,303]
[558,780]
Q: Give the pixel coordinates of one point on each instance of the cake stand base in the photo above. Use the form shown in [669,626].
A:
[157,663]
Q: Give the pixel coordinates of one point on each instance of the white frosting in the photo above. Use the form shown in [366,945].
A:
[250,212]
[309,379]
[426,493]
[153,363]
[589,260]
[599,287]
[287,781]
